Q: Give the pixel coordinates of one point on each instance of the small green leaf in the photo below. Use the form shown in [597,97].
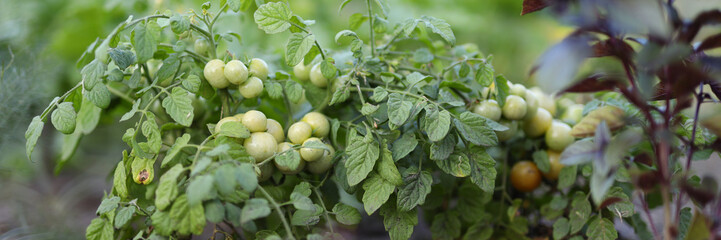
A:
[328,69]
[273,88]
[145,41]
[423,56]
[404,145]
[399,224]
[98,95]
[684,223]
[567,176]
[579,213]
[168,69]
[179,144]
[299,44]
[483,171]
[443,149]
[387,167]
[377,191]
[179,106]
[379,94]
[368,109]
[99,229]
[92,72]
[399,109]
[484,74]
[478,231]
[123,216]
[122,58]
[192,83]
[64,118]
[601,228]
[417,186]
[254,208]
[540,157]
[456,165]
[340,95]
[120,179]
[560,228]
[179,23]
[199,189]
[446,225]
[440,27]
[167,189]
[362,156]
[234,129]
[501,89]
[214,211]
[107,205]
[437,123]
[475,129]
[346,214]
[88,116]
[301,202]
[273,17]
[294,91]
[185,218]
[32,134]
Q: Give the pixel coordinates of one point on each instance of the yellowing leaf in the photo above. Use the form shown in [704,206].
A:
[587,127]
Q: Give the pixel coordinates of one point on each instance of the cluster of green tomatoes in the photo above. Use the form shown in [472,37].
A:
[530,113]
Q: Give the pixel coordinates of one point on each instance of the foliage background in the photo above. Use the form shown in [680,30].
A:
[40,40]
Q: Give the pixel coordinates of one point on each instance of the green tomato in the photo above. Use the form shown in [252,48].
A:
[255,121]
[538,124]
[318,123]
[260,145]
[223,121]
[274,128]
[531,103]
[515,108]
[311,154]
[563,104]
[258,68]
[573,114]
[266,171]
[201,46]
[545,101]
[339,82]
[198,107]
[518,90]
[324,163]
[213,72]
[301,71]
[489,109]
[299,132]
[251,88]
[508,134]
[285,169]
[558,136]
[317,78]
[236,72]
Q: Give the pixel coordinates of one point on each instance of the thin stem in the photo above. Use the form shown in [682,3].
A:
[370,27]
[60,99]
[288,231]
[120,94]
[644,204]
[322,55]
[325,211]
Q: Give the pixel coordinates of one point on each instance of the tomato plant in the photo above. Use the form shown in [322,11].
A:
[405,124]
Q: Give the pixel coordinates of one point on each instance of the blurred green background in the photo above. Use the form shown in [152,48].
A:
[40,41]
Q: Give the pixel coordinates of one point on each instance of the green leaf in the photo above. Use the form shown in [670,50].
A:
[168,69]
[98,95]
[602,229]
[443,149]
[340,95]
[478,231]
[306,217]
[214,211]
[457,165]
[293,90]
[152,132]
[187,219]
[417,186]
[560,228]
[356,20]
[422,56]
[92,73]
[302,202]
[440,27]
[289,159]
[179,144]
[107,205]
[246,177]
[234,129]
[179,106]
[377,191]
[192,83]
[398,224]
[362,156]
[437,123]
[579,213]
[168,187]
[399,109]
[273,88]
[483,171]
[299,44]
[475,129]
[484,75]
[120,179]
[145,41]
[684,223]
[446,225]
[387,167]
[123,216]
[501,90]
[273,17]
[567,176]
[99,229]
[122,58]
[407,27]
[88,116]
[162,223]
[540,157]
[404,145]
[32,134]
[199,189]
[328,69]
[379,94]
[368,109]
[346,214]
[623,208]
[254,208]
[179,23]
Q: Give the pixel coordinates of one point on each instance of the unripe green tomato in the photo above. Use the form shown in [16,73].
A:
[301,71]
[563,104]
[324,163]
[236,72]
[285,169]
[299,132]
[201,46]
[318,123]
[258,68]
[255,121]
[266,171]
[508,134]
[316,76]
[275,129]
[489,109]
[198,107]
[573,114]
[531,104]
[545,101]
[518,90]
[251,88]
[311,154]
[558,136]
[223,121]
[213,72]
[260,145]
[515,108]
[554,158]
[470,47]
[101,52]
[538,124]
[339,82]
